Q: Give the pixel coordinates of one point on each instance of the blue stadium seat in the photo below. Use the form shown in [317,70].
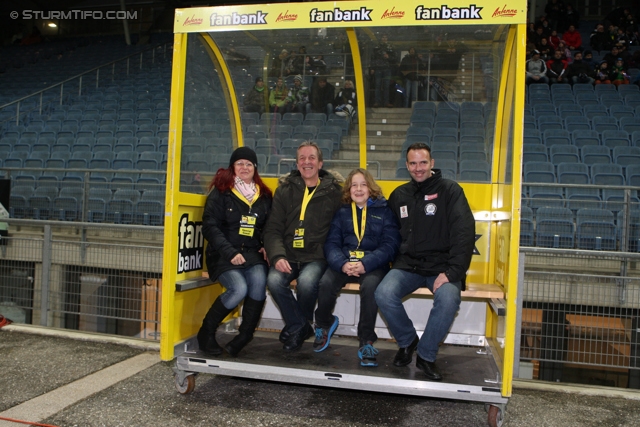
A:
[573,173]
[534,153]
[564,153]
[596,229]
[607,174]
[554,227]
[592,154]
[581,138]
[602,123]
[539,172]
[615,138]
[581,197]
[526,226]
[626,156]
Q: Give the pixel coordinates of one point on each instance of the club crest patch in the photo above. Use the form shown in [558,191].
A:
[430,209]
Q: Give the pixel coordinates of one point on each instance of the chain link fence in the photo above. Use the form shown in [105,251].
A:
[83,276]
[580,310]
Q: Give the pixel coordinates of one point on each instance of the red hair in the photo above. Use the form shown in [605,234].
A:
[224,180]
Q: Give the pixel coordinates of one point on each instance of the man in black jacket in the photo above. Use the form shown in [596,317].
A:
[438,237]
[294,237]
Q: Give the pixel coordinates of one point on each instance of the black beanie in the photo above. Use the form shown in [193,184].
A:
[245,153]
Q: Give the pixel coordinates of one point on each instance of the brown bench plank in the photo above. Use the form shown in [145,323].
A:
[474,290]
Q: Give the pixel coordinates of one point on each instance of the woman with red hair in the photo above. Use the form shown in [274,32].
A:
[235,213]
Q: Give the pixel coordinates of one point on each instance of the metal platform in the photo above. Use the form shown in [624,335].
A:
[470,373]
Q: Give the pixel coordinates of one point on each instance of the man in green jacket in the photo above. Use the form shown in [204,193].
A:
[294,236]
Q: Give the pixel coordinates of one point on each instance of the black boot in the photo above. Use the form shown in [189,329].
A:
[251,312]
[207,333]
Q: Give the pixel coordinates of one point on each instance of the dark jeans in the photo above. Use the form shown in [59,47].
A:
[330,285]
[296,312]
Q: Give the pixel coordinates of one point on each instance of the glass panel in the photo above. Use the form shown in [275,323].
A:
[436,85]
[207,132]
[275,125]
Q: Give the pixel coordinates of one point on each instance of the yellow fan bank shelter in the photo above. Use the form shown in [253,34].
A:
[464,97]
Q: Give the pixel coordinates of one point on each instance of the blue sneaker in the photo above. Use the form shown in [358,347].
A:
[323,336]
[367,354]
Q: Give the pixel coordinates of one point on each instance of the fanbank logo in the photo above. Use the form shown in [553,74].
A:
[236,18]
[393,13]
[192,21]
[190,245]
[444,13]
[339,15]
[504,12]
[286,17]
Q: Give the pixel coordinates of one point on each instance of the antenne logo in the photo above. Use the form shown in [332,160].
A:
[504,12]
[192,21]
[286,17]
[393,13]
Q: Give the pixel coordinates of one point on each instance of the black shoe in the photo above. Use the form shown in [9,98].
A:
[429,369]
[284,335]
[296,339]
[405,354]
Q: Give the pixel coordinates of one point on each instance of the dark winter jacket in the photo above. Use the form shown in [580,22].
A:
[221,225]
[346,96]
[257,97]
[285,218]
[437,228]
[380,242]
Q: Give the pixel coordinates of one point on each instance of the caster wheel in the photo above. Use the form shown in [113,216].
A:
[186,386]
[495,416]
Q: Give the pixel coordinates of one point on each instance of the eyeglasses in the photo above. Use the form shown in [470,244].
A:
[244,164]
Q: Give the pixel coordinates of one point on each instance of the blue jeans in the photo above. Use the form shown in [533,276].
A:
[446,301]
[410,91]
[296,312]
[242,282]
[383,79]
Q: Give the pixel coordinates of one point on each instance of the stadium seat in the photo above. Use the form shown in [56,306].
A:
[554,227]
[596,229]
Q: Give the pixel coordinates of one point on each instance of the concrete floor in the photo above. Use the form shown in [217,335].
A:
[69,379]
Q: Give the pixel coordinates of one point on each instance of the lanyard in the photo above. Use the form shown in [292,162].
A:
[359,233]
[305,200]
[244,199]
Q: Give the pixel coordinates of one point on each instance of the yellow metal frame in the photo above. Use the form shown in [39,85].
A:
[496,204]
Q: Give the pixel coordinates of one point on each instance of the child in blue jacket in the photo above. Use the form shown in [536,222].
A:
[363,239]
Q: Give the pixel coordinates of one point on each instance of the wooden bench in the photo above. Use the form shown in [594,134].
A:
[491,292]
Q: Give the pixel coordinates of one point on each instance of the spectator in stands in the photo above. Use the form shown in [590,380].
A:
[536,69]
[383,60]
[571,17]
[235,214]
[298,96]
[346,101]
[587,58]
[322,94]
[619,74]
[623,53]
[556,68]
[537,37]
[603,74]
[599,40]
[567,55]
[316,65]
[278,64]
[545,49]
[554,12]
[554,40]
[411,67]
[612,56]
[363,239]
[278,97]
[622,38]
[572,38]
[303,207]
[438,238]
[257,98]
[295,64]
[579,71]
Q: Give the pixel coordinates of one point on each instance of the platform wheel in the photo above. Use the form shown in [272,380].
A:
[187,385]
[495,418]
